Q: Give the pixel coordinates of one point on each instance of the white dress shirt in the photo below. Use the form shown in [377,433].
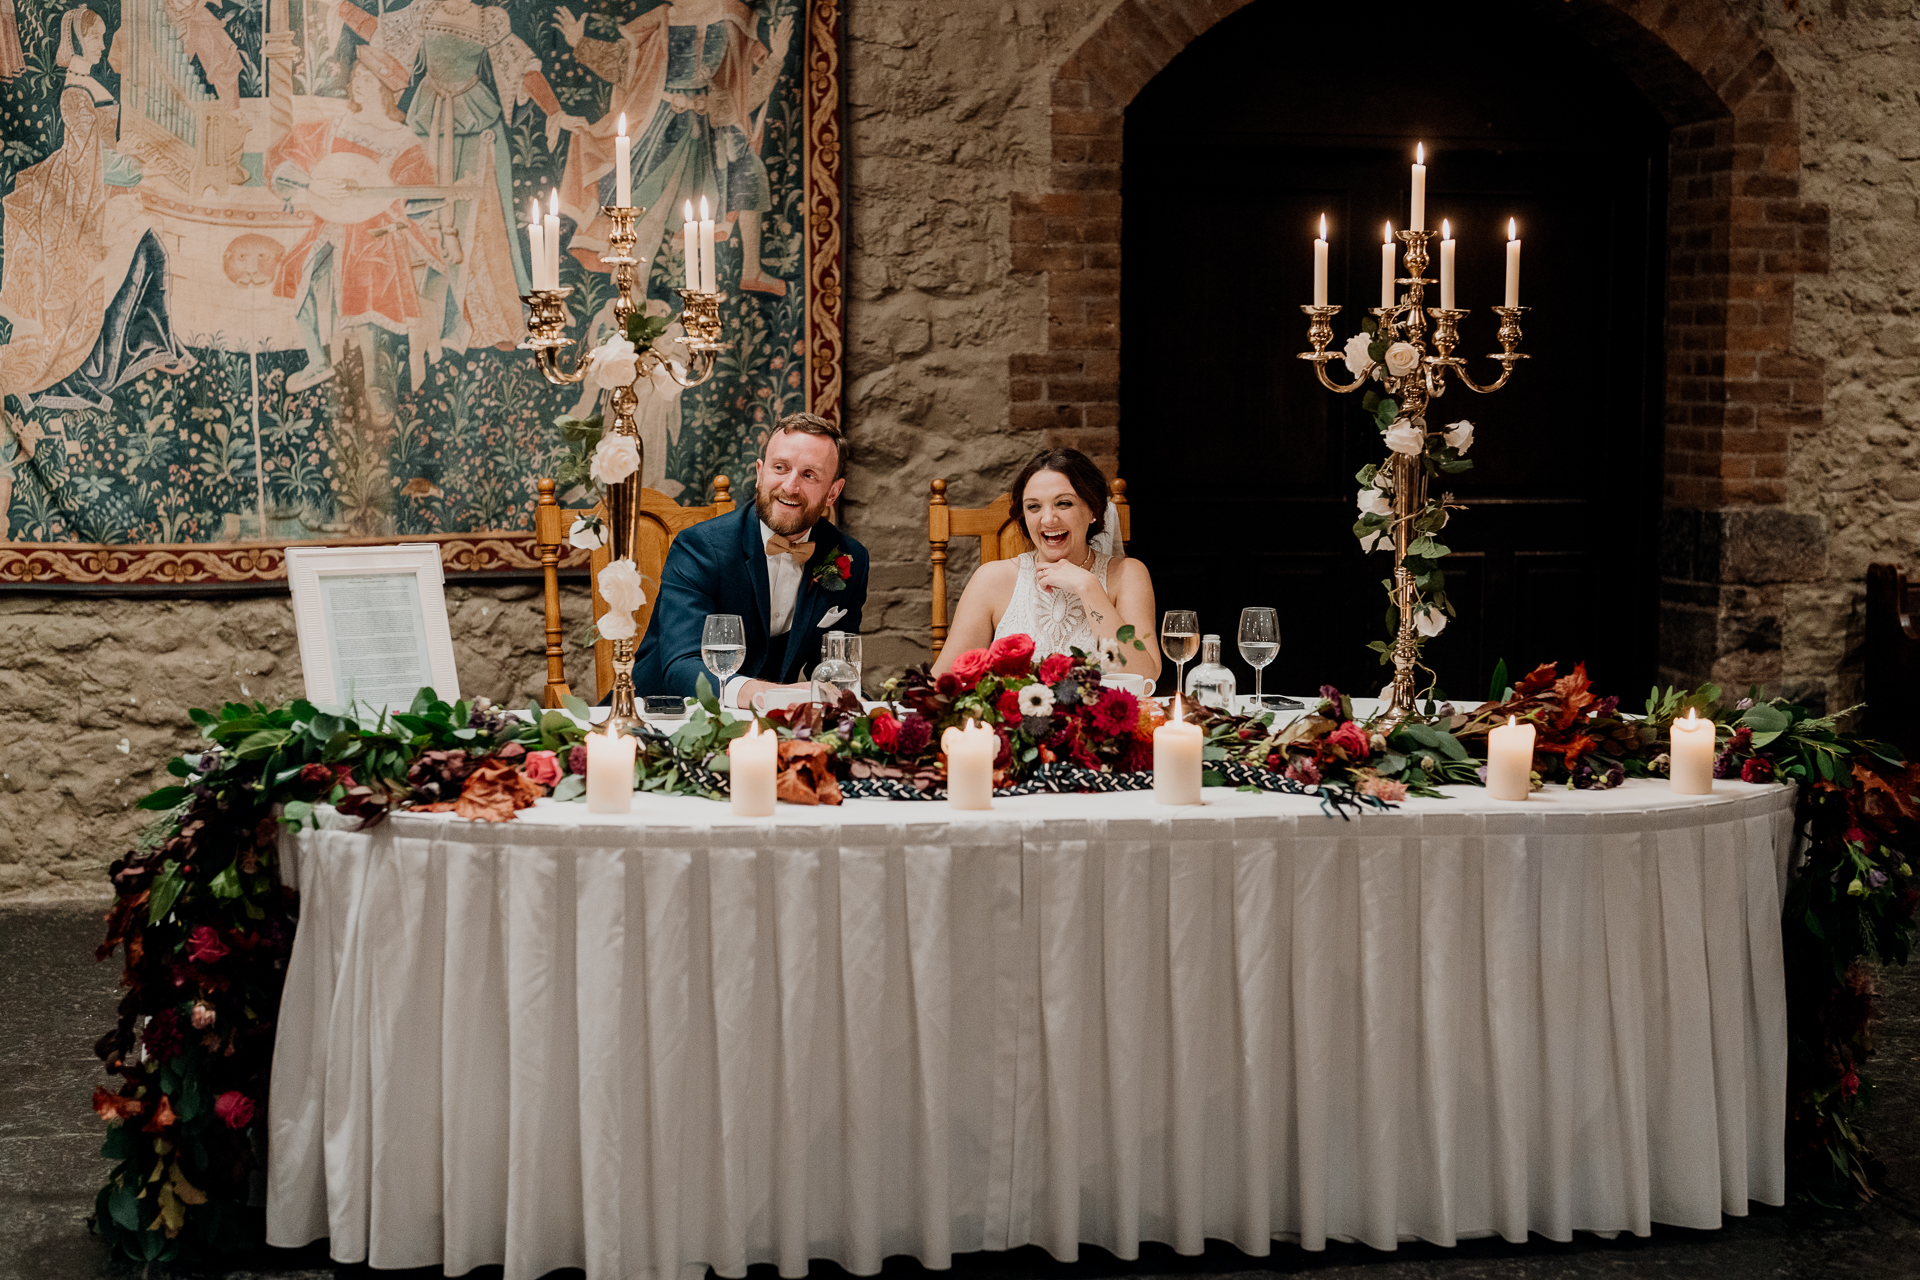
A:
[784,575]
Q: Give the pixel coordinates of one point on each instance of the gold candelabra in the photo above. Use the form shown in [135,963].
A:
[547,322]
[1414,390]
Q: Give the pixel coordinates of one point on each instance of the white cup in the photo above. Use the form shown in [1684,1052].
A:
[780,699]
[1137,685]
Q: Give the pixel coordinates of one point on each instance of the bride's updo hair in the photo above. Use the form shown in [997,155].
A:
[1080,472]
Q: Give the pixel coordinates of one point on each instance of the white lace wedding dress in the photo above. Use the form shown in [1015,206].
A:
[1057,621]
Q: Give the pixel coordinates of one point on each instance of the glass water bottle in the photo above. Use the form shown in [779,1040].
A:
[1210,684]
[836,674]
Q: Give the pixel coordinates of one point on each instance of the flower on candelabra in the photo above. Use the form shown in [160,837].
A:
[1374,503]
[1429,621]
[620,586]
[1459,435]
[588,534]
[1357,354]
[1402,358]
[616,624]
[1378,538]
[614,459]
[614,363]
[1404,437]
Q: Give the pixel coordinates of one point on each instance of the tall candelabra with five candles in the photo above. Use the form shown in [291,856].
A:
[1410,360]
[546,335]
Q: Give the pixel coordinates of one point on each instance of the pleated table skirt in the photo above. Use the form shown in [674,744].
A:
[647,1045]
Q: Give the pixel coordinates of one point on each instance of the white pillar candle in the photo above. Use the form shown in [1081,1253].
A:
[1320,265]
[752,765]
[690,236]
[707,276]
[1176,760]
[1419,220]
[1691,773]
[553,240]
[536,248]
[1513,263]
[1386,270]
[1446,265]
[970,752]
[622,165]
[610,771]
[1510,761]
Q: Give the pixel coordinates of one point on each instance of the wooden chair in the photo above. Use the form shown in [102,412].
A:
[1893,657]
[661,520]
[1001,538]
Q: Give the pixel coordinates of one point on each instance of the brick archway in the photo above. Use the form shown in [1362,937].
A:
[1739,236]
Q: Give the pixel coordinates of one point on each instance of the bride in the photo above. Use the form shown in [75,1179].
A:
[1064,593]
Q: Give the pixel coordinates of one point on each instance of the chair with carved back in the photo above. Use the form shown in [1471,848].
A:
[1001,538]
[661,520]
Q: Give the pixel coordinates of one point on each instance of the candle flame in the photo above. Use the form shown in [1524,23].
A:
[1446,229]
[689,217]
[1693,714]
[622,131]
[704,215]
[1323,226]
[1178,710]
[1419,153]
[533,212]
[553,202]
[1509,722]
[1388,238]
[611,735]
[1513,230]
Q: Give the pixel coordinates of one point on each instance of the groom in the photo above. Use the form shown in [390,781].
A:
[790,575]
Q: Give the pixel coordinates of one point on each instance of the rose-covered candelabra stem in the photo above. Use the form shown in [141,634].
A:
[1414,378]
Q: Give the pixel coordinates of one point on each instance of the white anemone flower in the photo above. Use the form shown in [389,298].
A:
[1036,700]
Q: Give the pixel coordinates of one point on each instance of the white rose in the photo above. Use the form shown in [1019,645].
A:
[587,535]
[1459,435]
[614,363]
[1429,621]
[1402,359]
[620,586]
[1378,538]
[1374,503]
[616,458]
[1356,354]
[1406,438]
[616,624]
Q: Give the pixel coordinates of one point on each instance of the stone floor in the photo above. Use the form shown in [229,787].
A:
[56,1000]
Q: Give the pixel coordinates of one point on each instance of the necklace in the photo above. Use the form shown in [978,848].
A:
[1089,563]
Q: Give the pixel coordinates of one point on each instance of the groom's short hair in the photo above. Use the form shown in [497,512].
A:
[813,424]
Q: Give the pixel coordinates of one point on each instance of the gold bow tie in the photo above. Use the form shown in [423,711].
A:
[780,545]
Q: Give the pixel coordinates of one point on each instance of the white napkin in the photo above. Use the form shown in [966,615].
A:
[832,616]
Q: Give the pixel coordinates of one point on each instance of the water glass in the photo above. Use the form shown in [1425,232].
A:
[1259,643]
[723,647]
[1179,640]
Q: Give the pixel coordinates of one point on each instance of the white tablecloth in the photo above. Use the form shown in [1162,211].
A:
[644,1045]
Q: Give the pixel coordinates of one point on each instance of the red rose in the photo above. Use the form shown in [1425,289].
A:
[843,565]
[542,767]
[1756,770]
[316,775]
[1352,739]
[885,730]
[970,666]
[1012,655]
[1009,706]
[1055,667]
[204,945]
[235,1108]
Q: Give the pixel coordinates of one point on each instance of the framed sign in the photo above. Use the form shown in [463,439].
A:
[261,264]
[372,624]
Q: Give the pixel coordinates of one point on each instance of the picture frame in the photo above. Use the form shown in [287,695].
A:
[372,624]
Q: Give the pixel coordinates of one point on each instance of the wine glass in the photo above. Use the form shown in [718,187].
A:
[723,647]
[1259,644]
[1179,640]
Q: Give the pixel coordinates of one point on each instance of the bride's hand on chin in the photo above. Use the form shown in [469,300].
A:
[1065,576]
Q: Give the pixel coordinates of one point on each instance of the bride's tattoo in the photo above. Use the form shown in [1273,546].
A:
[1097,617]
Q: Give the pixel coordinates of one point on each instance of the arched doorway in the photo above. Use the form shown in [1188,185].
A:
[1278,114]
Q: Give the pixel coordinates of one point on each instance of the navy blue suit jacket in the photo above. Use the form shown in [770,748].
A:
[720,566]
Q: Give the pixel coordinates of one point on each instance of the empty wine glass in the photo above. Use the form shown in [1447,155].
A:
[723,647]
[1179,640]
[1259,644]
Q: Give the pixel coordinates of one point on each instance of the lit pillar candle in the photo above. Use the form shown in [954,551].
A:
[1386,271]
[1510,761]
[1176,760]
[970,752]
[690,233]
[1446,265]
[752,765]
[553,240]
[1320,265]
[610,771]
[1419,221]
[1513,263]
[707,274]
[622,165]
[1692,769]
[536,248]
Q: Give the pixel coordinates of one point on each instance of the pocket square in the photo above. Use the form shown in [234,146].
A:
[832,616]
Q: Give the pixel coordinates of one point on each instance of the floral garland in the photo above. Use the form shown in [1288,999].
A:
[206,928]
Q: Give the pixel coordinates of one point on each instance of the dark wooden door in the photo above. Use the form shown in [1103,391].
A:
[1242,466]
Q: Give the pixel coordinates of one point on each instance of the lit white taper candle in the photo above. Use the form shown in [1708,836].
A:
[708,276]
[1510,761]
[1419,222]
[1386,270]
[690,232]
[1177,749]
[1513,263]
[1446,265]
[536,247]
[1320,265]
[1691,771]
[622,165]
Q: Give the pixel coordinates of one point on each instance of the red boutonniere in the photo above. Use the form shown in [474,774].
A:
[832,572]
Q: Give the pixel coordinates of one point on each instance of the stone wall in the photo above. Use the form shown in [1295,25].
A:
[952,139]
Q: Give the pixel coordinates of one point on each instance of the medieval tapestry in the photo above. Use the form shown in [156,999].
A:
[261,263]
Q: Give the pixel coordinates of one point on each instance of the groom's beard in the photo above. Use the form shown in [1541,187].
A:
[785,521]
